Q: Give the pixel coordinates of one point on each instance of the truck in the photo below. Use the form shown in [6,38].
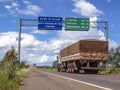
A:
[87,55]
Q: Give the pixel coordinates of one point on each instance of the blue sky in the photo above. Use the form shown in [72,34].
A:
[42,46]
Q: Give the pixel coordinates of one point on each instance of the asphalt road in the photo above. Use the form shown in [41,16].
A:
[53,80]
[108,81]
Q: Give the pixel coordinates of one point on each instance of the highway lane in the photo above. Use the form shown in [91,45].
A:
[40,80]
[108,81]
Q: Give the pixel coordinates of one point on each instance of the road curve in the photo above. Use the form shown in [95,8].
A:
[40,80]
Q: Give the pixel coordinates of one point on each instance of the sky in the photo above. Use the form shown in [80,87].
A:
[41,47]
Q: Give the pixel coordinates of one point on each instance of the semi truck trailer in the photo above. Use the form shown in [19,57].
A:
[87,55]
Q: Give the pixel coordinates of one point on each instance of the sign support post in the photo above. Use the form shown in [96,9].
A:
[19,32]
[19,40]
[106,28]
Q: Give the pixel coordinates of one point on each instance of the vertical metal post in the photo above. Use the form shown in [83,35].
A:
[106,28]
[19,39]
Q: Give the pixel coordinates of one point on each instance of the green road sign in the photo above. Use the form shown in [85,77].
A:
[81,24]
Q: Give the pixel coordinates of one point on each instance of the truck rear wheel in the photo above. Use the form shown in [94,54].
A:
[95,71]
[87,71]
[76,71]
[58,70]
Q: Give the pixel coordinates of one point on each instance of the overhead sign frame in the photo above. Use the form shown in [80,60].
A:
[27,23]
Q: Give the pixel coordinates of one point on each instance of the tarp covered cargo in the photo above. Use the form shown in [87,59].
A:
[93,46]
[90,49]
[64,52]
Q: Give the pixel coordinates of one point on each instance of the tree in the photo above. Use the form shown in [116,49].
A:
[111,55]
[11,55]
[114,56]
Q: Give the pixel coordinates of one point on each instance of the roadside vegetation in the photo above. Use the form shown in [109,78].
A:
[12,72]
[46,67]
[111,70]
[53,67]
[113,62]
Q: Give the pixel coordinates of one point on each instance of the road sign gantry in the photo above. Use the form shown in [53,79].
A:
[68,22]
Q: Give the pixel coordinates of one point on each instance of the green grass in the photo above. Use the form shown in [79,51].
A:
[11,75]
[6,83]
[46,67]
[111,70]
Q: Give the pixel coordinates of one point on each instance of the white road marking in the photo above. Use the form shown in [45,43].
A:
[79,81]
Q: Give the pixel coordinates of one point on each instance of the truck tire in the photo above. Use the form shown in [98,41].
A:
[78,65]
[95,71]
[58,70]
[76,71]
[87,71]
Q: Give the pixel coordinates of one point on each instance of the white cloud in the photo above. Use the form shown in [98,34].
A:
[39,59]
[101,34]
[26,2]
[8,7]
[36,51]
[56,44]
[76,35]
[5,0]
[14,4]
[113,44]
[32,50]
[93,18]
[30,9]
[8,0]
[85,8]
[8,39]
[29,41]
[108,0]
[43,32]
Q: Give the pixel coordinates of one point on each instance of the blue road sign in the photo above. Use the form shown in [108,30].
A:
[54,19]
[50,23]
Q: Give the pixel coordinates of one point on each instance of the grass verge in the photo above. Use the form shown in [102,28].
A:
[46,67]
[11,75]
[111,70]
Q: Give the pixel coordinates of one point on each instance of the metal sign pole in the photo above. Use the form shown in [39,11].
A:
[106,28]
[19,40]
[22,23]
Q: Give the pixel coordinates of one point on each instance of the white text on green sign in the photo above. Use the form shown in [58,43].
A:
[77,24]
